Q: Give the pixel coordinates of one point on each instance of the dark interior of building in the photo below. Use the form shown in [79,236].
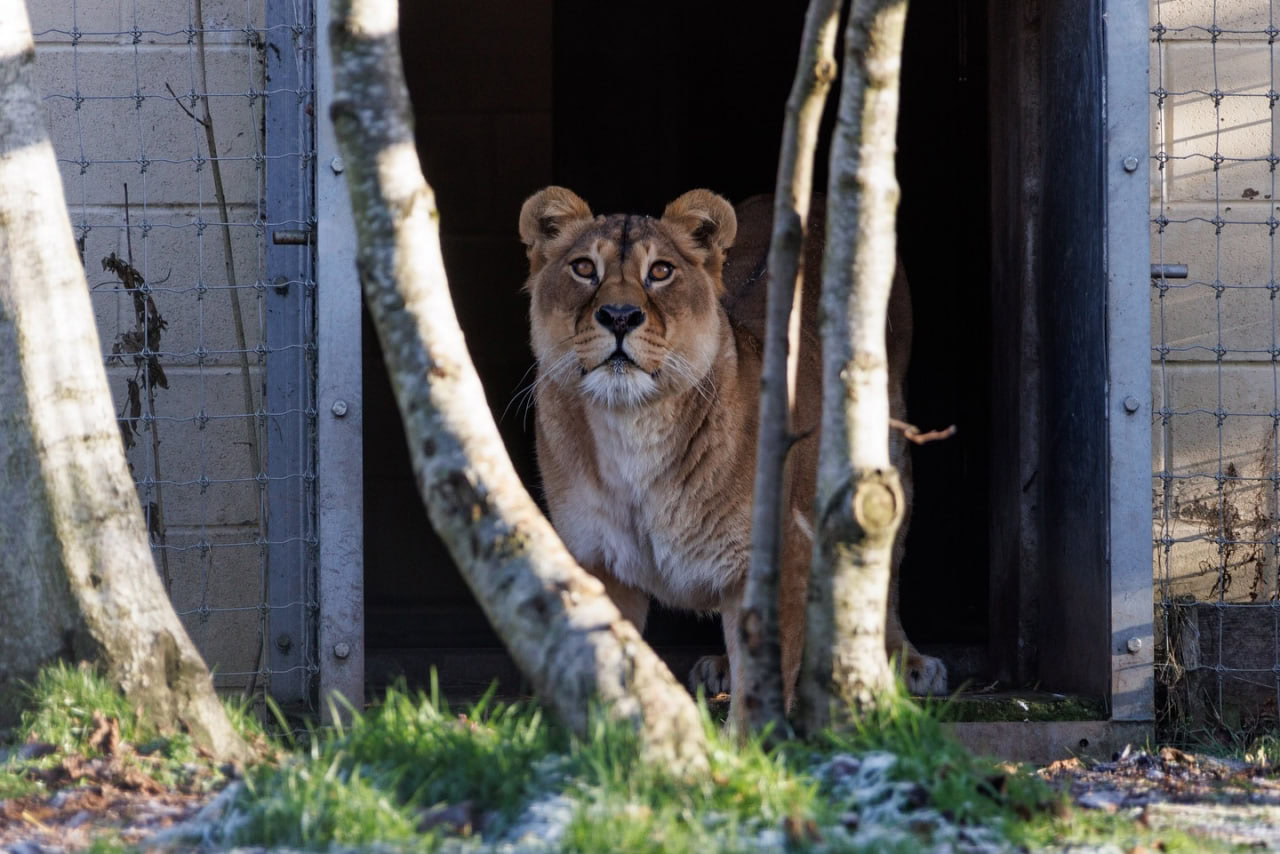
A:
[630,110]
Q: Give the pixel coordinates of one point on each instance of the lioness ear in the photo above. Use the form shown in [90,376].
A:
[707,217]
[546,213]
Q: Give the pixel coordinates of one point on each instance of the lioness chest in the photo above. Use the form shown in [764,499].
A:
[662,508]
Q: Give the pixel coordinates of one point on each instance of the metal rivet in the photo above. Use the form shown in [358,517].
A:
[284,643]
[1134,645]
[337,165]
[341,650]
[1131,404]
[1131,164]
[339,408]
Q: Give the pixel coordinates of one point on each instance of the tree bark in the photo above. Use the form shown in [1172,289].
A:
[762,651]
[859,503]
[564,632]
[77,580]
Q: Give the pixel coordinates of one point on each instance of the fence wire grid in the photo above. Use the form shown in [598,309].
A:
[1216,365]
[185,139]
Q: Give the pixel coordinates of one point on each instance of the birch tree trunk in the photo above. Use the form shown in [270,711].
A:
[860,502]
[762,651]
[561,627]
[77,580]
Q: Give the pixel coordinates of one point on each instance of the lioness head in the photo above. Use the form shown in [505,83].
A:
[625,308]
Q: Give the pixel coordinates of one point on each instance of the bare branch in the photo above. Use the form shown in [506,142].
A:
[762,650]
[860,501]
[912,433]
[183,106]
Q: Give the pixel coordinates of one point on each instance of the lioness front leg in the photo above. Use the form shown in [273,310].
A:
[631,601]
[924,674]
[715,674]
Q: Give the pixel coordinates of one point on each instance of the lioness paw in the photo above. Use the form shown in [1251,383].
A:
[711,674]
[926,675]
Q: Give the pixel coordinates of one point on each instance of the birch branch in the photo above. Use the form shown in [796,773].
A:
[762,652]
[560,626]
[860,502]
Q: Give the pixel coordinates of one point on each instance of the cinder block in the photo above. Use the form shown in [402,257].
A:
[176,257]
[216,591]
[204,464]
[1244,19]
[53,21]
[1155,118]
[1239,127]
[1221,505]
[1243,444]
[1191,312]
[166,22]
[1159,376]
[130,129]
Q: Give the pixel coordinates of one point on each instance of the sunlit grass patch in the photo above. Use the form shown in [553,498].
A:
[385,769]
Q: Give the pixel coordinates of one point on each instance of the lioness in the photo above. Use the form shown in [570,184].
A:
[647,337]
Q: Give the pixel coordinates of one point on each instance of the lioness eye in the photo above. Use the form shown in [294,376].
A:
[660,271]
[583,268]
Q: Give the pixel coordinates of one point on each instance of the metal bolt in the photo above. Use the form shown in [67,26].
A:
[339,408]
[1134,645]
[341,650]
[284,643]
[1131,404]
[337,165]
[1131,164]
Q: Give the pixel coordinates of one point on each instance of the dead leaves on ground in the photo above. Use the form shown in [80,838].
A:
[113,785]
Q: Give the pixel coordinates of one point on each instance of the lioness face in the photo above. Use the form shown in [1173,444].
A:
[625,309]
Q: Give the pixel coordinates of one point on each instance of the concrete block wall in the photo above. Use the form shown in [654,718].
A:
[105,67]
[1216,387]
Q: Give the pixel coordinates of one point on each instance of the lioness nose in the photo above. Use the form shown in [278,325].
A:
[620,319]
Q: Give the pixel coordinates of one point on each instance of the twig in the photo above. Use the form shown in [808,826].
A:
[237,317]
[760,646]
[151,417]
[177,100]
[912,433]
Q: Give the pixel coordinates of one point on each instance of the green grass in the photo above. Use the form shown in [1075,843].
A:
[630,805]
[59,708]
[60,704]
[369,782]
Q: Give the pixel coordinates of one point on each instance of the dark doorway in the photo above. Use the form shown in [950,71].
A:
[630,110]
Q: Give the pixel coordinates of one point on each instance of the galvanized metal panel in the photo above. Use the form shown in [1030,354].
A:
[1128,407]
[340,462]
[288,380]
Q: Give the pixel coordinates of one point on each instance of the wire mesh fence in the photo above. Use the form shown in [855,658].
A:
[1216,364]
[184,135]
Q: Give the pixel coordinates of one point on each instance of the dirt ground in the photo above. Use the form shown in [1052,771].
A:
[1226,800]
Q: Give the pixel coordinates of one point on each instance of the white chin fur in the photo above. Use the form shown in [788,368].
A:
[628,387]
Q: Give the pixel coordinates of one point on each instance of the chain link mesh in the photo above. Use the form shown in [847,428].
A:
[160,114]
[1216,363]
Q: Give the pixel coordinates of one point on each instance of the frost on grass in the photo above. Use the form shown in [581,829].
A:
[880,813]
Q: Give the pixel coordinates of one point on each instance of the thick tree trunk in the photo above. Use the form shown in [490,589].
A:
[859,503]
[77,579]
[559,624]
[762,651]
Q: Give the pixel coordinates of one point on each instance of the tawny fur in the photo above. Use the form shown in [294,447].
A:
[647,462]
